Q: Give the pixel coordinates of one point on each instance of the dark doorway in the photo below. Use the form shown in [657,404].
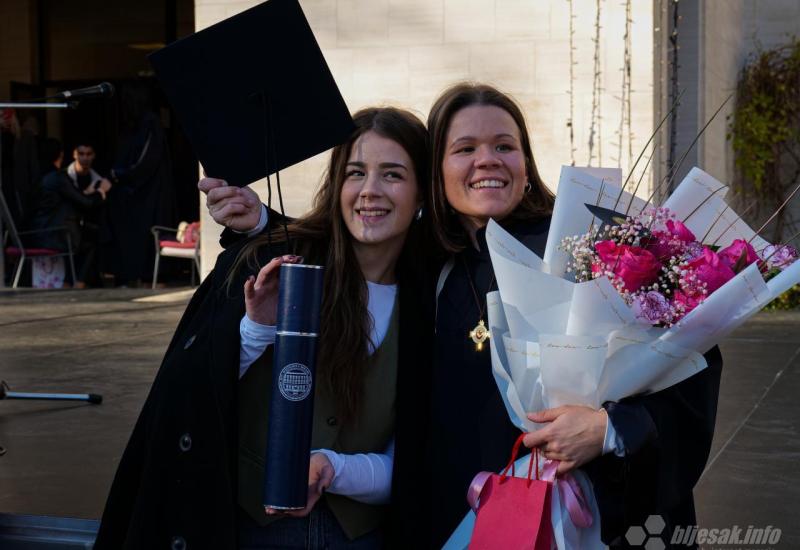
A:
[98,121]
[81,43]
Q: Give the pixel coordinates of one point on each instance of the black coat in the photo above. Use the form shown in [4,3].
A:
[176,482]
[667,435]
[143,196]
[60,204]
[667,438]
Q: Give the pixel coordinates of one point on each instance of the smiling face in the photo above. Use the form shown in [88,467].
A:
[483,167]
[379,195]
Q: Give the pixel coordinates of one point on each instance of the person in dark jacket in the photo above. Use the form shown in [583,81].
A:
[62,205]
[144,193]
[83,176]
[189,477]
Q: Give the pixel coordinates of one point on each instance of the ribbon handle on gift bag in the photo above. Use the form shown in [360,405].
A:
[571,494]
[513,459]
[513,513]
[476,486]
[568,487]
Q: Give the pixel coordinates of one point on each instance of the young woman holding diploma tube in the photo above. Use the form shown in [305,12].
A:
[372,196]
[643,455]
[192,473]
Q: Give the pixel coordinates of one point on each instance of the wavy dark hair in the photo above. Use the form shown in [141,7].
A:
[322,237]
[538,202]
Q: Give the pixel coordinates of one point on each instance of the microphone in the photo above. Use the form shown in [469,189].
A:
[104,89]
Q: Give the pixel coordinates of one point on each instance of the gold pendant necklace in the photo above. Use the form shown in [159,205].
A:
[480,333]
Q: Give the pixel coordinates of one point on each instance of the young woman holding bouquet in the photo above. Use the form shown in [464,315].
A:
[180,482]
[643,454]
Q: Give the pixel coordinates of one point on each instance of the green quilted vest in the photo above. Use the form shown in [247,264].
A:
[370,432]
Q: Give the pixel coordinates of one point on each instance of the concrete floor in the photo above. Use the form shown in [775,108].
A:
[753,474]
[61,456]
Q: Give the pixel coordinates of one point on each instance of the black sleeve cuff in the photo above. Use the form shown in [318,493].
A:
[230,237]
[633,424]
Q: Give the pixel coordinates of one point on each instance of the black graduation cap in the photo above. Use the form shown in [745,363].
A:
[253,93]
[606,215]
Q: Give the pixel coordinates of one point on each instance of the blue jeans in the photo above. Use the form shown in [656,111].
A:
[320,530]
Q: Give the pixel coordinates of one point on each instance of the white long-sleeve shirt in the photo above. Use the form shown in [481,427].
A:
[255,338]
[366,477]
[363,477]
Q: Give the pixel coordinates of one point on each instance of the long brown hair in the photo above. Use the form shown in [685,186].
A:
[322,237]
[447,228]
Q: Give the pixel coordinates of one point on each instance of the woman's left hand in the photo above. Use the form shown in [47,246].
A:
[261,292]
[320,477]
[574,435]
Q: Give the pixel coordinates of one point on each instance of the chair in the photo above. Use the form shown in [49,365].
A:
[186,244]
[19,252]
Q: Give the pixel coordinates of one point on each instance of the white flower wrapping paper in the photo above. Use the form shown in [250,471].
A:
[556,342]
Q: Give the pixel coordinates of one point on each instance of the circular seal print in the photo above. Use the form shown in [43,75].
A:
[294,381]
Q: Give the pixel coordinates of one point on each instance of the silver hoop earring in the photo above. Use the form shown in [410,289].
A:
[418,215]
[528,187]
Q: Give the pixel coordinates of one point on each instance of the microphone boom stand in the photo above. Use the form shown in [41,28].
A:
[93,398]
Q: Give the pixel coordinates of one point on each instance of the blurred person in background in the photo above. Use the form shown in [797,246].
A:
[143,193]
[87,180]
[26,169]
[61,203]
[9,133]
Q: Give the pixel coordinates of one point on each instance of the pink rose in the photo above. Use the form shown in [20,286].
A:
[679,231]
[672,242]
[659,243]
[738,248]
[635,266]
[710,269]
[688,302]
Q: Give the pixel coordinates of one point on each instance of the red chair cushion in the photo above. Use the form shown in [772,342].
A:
[175,244]
[15,252]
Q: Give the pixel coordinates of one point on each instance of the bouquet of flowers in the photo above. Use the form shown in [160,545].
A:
[660,268]
[622,303]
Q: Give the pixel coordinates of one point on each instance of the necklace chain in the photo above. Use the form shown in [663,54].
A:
[480,333]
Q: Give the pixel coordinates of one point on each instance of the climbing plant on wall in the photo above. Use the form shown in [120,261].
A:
[765,133]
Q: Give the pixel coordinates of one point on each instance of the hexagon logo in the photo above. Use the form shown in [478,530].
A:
[635,535]
[648,536]
[654,525]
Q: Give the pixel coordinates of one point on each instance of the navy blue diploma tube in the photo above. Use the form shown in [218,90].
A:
[291,408]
